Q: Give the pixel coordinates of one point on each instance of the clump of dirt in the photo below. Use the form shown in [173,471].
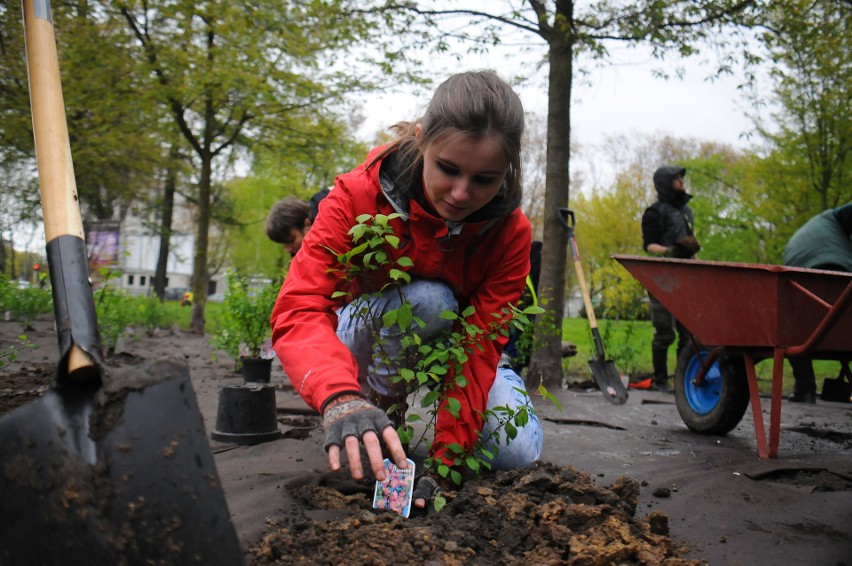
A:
[27,385]
[543,514]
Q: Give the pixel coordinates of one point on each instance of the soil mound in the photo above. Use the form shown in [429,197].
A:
[544,514]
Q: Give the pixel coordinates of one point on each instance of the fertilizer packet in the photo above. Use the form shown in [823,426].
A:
[395,492]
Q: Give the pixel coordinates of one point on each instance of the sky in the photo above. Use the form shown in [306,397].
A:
[621,98]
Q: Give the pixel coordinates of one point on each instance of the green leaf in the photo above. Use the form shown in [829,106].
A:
[430,398]
[472,463]
[390,317]
[511,431]
[542,390]
[455,448]
[456,477]
[522,417]
[404,319]
[440,502]
[453,406]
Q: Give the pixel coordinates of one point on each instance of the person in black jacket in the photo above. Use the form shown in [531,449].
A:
[667,231]
[291,218]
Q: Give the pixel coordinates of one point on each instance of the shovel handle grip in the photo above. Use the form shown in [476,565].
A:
[58,188]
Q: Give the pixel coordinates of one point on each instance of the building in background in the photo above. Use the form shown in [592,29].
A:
[132,247]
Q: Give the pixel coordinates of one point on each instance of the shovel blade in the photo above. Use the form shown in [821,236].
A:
[121,477]
[608,380]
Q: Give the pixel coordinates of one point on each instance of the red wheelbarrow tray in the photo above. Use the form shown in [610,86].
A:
[755,310]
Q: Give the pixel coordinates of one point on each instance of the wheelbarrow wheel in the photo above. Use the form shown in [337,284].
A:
[717,405]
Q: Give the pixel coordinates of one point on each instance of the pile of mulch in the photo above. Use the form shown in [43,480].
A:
[544,514]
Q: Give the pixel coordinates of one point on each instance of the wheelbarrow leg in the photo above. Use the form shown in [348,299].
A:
[757,413]
[775,411]
[764,449]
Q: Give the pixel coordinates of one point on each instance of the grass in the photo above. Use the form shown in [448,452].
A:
[628,344]
[174,313]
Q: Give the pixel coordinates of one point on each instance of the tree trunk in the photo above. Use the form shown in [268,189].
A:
[13,272]
[199,264]
[166,214]
[546,363]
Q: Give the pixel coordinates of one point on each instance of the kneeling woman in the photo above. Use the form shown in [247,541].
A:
[454,177]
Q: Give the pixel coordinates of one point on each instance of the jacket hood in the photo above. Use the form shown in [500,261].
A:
[400,186]
[663,178]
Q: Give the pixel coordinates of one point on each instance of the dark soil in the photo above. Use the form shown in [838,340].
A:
[541,515]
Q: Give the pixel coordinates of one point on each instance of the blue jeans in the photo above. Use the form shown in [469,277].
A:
[378,362]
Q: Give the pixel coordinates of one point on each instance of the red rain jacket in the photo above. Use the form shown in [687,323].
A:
[485,265]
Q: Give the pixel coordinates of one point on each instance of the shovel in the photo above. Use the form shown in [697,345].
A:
[102,469]
[603,370]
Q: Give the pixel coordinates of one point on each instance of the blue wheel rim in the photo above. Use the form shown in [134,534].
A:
[704,398]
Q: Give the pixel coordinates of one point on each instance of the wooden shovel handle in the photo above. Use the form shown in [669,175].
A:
[58,188]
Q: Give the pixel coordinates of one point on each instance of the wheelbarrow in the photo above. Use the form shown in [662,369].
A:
[740,314]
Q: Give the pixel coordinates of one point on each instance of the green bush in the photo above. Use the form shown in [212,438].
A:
[242,324]
[23,305]
[116,312]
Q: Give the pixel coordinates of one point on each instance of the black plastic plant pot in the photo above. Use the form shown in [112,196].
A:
[246,414]
[256,370]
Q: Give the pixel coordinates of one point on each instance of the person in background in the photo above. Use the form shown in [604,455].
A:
[290,219]
[454,178]
[667,231]
[823,242]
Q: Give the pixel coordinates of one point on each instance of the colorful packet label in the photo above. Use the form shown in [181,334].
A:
[395,492]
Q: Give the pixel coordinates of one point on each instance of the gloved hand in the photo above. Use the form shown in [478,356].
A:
[351,415]
[351,419]
[685,248]
[425,491]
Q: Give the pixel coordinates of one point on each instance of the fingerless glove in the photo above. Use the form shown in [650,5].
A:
[351,415]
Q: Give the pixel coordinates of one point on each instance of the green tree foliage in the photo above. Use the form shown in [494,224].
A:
[113,136]
[273,177]
[608,223]
[237,75]
[726,186]
[806,168]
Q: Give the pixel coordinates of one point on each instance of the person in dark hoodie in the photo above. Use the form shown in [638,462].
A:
[667,231]
[450,187]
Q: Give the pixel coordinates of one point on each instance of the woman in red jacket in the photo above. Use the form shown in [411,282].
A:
[453,176]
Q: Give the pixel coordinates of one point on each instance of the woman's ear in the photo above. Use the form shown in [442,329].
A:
[418,129]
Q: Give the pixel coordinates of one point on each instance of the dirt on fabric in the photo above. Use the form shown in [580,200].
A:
[620,485]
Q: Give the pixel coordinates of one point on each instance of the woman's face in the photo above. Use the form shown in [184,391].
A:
[462,174]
